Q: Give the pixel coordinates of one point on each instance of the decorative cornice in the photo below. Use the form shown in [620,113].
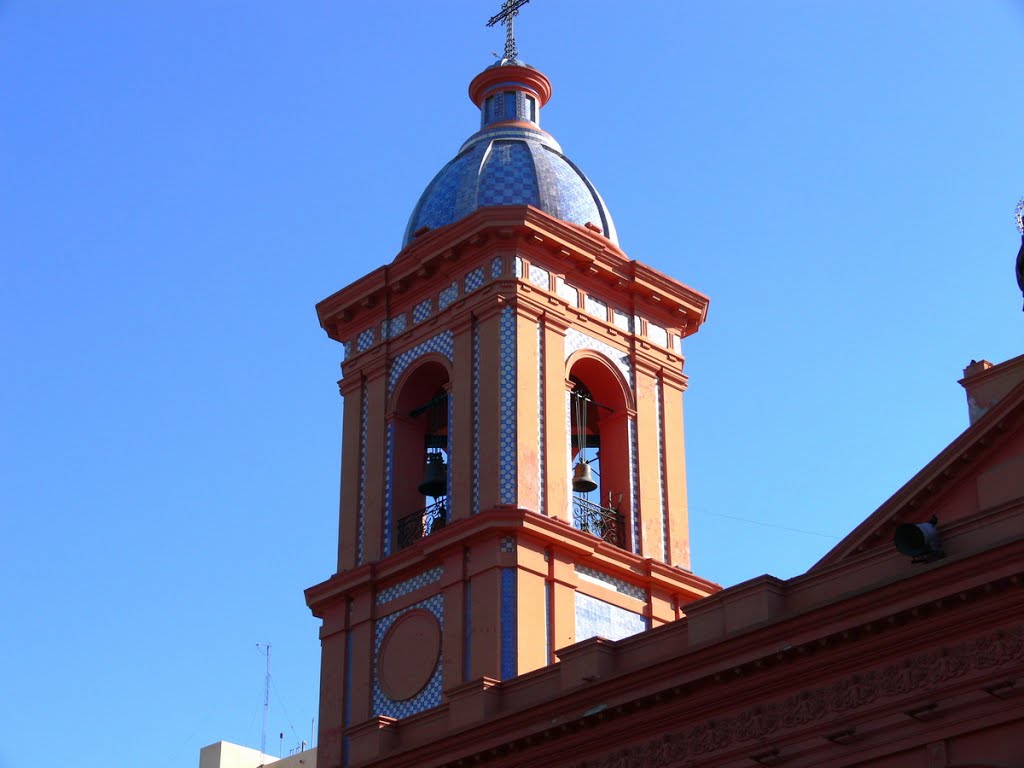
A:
[432,549]
[922,672]
[488,230]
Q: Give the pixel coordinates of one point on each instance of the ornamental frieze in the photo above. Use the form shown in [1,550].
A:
[917,673]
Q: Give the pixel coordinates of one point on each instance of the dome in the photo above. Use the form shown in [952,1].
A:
[510,161]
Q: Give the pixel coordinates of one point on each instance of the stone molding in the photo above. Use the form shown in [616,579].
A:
[923,671]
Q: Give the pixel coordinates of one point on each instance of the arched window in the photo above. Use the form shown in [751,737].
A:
[420,457]
[599,446]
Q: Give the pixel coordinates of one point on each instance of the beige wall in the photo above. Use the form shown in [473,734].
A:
[224,754]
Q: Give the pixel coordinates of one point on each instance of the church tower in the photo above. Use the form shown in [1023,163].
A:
[513,478]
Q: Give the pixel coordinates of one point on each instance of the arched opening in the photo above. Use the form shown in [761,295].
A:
[420,463]
[599,447]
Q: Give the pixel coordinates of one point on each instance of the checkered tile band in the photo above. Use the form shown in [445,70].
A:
[430,696]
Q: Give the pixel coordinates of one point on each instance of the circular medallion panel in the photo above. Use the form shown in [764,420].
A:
[408,654]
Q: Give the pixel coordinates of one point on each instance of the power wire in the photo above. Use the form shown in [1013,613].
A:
[280,701]
[773,525]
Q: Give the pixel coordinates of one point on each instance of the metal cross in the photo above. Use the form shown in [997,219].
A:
[509,10]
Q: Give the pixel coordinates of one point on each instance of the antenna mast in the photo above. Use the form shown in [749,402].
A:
[266,698]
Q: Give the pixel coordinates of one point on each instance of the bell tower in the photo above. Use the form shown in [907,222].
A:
[513,478]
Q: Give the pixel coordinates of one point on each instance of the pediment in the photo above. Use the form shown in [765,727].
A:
[979,472]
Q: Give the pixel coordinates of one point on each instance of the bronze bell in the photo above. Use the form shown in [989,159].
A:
[582,480]
[435,477]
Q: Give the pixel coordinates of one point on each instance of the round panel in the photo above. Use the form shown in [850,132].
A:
[408,655]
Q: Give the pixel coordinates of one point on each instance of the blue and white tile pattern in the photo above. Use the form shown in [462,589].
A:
[395,591]
[365,340]
[622,320]
[508,480]
[473,280]
[634,485]
[657,334]
[392,327]
[423,310]
[540,277]
[596,618]
[476,417]
[509,636]
[595,306]
[567,194]
[508,176]
[389,480]
[541,436]
[576,340]
[452,493]
[442,343]
[567,292]
[612,582]
[467,638]
[658,410]
[510,165]
[360,523]
[430,696]
[447,296]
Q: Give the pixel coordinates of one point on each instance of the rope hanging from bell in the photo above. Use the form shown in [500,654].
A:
[582,476]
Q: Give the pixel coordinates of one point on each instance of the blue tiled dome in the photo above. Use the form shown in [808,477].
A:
[510,161]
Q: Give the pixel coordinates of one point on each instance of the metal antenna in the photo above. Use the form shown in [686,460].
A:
[509,10]
[266,698]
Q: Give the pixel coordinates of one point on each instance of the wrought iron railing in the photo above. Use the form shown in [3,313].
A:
[603,522]
[423,522]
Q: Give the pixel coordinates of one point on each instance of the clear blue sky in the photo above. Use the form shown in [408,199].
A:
[181,182]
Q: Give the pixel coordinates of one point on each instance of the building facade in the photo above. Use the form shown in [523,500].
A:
[513,584]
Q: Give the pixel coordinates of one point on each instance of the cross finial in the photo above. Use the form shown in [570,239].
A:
[509,10]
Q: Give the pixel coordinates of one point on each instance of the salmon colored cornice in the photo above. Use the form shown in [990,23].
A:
[503,520]
[509,77]
[576,249]
[909,503]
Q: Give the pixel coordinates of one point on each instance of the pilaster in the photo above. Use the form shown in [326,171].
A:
[333,680]
[374,467]
[530,446]
[562,573]
[453,645]
[360,635]
[531,621]
[489,396]
[461,432]
[676,497]
[556,460]
[485,615]
[348,523]
[649,462]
